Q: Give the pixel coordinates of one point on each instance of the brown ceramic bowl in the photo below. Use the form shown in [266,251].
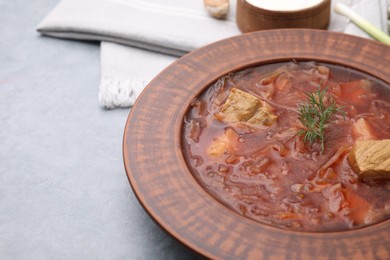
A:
[164,185]
[251,18]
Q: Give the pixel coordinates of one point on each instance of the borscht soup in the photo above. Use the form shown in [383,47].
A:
[298,145]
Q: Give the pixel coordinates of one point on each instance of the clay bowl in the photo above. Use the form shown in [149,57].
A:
[164,185]
[252,18]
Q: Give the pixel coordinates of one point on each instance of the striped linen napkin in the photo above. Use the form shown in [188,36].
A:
[140,38]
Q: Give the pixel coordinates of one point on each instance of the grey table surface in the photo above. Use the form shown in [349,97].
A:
[64,193]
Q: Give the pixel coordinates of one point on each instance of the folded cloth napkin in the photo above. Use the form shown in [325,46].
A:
[125,71]
[162,26]
[161,30]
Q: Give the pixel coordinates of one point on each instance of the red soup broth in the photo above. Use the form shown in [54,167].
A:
[269,174]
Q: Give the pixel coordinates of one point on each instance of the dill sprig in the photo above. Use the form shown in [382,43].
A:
[315,114]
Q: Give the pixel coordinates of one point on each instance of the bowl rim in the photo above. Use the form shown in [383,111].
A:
[159,196]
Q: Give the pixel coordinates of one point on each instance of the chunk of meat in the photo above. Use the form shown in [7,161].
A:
[241,106]
[370,159]
[361,130]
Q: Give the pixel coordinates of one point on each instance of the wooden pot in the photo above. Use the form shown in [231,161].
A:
[251,18]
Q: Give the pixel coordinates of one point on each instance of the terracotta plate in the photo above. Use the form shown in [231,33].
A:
[165,186]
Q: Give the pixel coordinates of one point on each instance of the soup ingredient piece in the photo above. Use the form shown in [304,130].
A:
[315,114]
[241,106]
[218,147]
[217,8]
[223,144]
[195,129]
[361,130]
[324,70]
[370,159]
[296,187]
[360,212]
[335,197]
[230,143]
[357,91]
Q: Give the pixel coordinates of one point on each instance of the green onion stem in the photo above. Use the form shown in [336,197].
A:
[376,33]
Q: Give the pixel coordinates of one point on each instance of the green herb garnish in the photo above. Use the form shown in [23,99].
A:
[315,114]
